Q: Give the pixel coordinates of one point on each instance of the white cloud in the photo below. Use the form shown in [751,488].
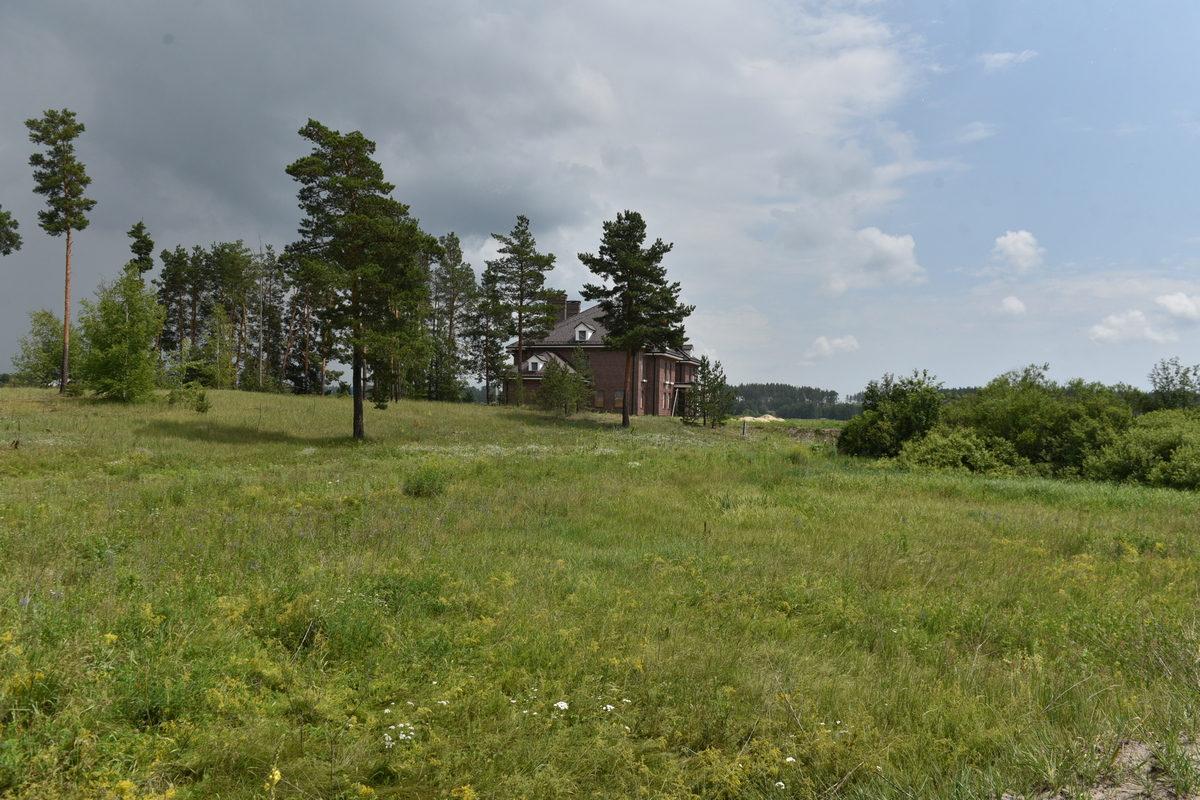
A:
[975,131]
[1180,305]
[823,347]
[1019,251]
[1131,326]
[994,62]
[1012,305]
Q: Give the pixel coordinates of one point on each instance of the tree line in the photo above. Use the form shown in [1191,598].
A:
[1023,423]
[792,402]
[363,285]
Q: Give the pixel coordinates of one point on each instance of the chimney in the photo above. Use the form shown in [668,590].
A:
[559,300]
[573,307]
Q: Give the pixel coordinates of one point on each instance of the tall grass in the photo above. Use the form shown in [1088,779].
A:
[479,602]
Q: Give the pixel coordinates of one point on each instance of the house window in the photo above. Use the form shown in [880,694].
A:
[598,399]
[583,333]
[619,398]
[535,365]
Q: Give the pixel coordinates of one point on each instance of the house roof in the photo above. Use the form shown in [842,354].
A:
[547,357]
[563,335]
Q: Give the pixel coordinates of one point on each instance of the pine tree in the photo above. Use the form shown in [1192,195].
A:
[640,309]
[10,240]
[487,331]
[142,247]
[453,292]
[360,248]
[60,176]
[519,277]
[712,398]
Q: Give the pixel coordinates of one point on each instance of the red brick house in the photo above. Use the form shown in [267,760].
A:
[661,376]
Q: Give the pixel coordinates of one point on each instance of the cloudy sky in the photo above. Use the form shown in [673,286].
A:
[852,188]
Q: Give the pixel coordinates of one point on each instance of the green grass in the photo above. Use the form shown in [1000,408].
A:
[189,602]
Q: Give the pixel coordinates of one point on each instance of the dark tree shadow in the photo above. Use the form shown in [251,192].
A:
[201,431]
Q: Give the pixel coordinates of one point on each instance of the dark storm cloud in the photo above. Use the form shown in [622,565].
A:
[695,114]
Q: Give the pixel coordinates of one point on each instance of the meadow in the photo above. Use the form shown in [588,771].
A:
[489,603]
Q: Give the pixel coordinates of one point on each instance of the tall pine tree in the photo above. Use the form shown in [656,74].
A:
[359,247]
[519,278]
[60,176]
[639,308]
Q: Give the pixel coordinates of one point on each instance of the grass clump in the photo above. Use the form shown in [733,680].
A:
[426,481]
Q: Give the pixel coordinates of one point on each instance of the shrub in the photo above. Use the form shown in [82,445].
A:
[1056,426]
[894,411]
[1161,448]
[959,449]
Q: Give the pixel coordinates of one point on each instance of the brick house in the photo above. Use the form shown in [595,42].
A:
[661,376]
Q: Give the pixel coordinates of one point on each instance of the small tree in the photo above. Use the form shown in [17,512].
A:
[119,331]
[711,398]
[61,178]
[567,391]
[39,360]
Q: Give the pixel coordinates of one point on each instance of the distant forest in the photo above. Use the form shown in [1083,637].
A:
[794,402]
[806,402]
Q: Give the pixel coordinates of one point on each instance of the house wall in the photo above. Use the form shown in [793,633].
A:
[654,379]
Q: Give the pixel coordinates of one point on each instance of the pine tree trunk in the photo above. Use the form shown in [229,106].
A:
[357,388]
[628,388]
[66,363]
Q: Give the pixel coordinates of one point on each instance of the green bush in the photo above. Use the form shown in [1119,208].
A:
[1161,448]
[960,449]
[894,411]
[1050,425]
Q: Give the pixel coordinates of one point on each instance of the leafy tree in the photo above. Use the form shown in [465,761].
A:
[60,176]
[119,330]
[39,360]
[10,240]
[639,308]
[711,400]
[1173,385]
[518,279]
[895,410]
[360,249]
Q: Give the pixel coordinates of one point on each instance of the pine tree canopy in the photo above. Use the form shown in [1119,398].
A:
[641,310]
[10,240]
[58,174]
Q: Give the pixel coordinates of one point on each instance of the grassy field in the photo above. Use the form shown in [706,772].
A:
[485,603]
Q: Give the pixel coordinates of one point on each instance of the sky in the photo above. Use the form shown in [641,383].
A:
[851,188]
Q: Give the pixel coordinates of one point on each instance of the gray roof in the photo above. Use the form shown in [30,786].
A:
[563,335]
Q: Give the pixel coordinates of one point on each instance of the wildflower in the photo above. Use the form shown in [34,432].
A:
[790,760]
[443,702]
[561,705]
[608,708]
[387,711]
[780,785]
[110,638]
